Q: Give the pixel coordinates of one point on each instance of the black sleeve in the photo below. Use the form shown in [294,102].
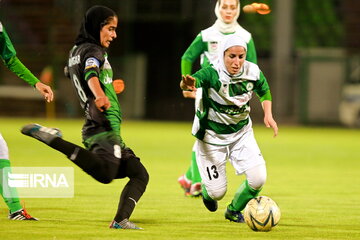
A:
[92,61]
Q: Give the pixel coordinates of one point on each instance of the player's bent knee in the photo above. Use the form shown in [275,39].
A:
[143,178]
[256,177]
[216,194]
[105,173]
[138,171]
[257,184]
[104,179]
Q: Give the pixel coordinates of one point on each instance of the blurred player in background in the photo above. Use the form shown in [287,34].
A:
[223,127]
[206,46]
[106,156]
[12,62]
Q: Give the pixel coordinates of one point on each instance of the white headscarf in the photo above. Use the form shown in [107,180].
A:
[228,42]
[226,27]
[225,77]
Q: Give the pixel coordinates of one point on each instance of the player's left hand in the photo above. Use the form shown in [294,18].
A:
[270,122]
[45,90]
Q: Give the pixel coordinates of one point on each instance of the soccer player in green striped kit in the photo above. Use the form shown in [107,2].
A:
[12,62]
[223,127]
[205,46]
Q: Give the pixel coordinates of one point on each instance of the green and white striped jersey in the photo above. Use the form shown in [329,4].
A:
[223,109]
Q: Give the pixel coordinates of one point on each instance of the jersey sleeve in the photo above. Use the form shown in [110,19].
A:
[251,52]
[11,61]
[204,76]
[7,49]
[17,67]
[193,52]
[262,88]
[93,59]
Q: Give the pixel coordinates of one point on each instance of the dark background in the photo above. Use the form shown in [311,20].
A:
[155,33]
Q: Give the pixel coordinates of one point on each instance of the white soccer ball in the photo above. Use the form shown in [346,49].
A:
[262,214]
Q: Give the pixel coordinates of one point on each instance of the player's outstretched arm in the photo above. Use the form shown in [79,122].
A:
[45,90]
[187,83]
[268,118]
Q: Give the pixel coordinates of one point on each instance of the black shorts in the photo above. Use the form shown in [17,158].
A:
[106,146]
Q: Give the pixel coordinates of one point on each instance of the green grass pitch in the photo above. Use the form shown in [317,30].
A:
[313,175]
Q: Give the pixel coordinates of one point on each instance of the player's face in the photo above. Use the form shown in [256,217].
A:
[228,10]
[108,32]
[234,58]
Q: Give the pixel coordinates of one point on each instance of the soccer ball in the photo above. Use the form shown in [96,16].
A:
[262,214]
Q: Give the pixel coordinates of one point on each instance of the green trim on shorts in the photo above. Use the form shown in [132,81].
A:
[100,137]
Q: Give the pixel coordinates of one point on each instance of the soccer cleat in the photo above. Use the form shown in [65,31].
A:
[184,184]
[124,224]
[43,134]
[211,205]
[21,215]
[195,190]
[234,216]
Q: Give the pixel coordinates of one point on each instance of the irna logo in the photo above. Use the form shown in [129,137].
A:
[38,182]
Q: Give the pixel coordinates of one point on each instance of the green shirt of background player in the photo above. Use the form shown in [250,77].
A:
[206,43]
[205,46]
[223,127]
[12,62]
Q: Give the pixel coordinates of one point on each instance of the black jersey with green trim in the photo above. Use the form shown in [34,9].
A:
[86,61]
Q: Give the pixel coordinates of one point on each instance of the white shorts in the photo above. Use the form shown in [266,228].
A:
[243,154]
[4,151]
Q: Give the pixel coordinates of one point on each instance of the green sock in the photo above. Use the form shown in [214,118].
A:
[196,178]
[242,196]
[205,193]
[188,173]
[13,203]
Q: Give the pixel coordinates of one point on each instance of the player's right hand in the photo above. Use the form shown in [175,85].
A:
[45,90]
[189,82]
[102,103]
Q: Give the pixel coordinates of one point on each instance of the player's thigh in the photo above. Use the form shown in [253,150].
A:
[4,151]
[245,153]
[211,161]
[107,149]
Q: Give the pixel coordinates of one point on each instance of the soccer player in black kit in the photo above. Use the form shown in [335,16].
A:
[105,157]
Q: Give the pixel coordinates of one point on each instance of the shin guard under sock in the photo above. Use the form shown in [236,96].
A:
[11,199]
[196,178]
[130,195]
[244,194]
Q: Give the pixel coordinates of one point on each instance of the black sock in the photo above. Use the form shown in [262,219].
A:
[128,199]
[133,190]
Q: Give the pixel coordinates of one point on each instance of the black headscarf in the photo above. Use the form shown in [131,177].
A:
[93,21]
